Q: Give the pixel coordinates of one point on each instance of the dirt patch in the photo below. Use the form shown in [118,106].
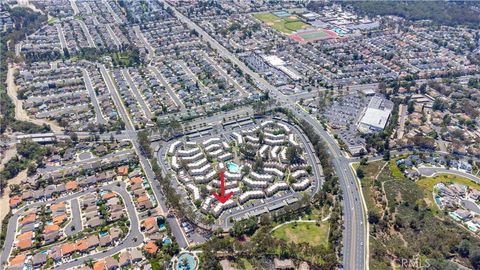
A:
[20,113]
[4,199]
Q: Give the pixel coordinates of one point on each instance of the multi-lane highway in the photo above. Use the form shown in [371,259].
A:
[354,235]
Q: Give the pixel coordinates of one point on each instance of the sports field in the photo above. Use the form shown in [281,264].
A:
[286,25]
[313,35]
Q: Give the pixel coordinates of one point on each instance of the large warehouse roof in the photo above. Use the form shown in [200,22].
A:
[375,118]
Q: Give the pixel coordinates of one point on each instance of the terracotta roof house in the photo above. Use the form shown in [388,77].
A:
[109,195]
[59,219]
[18,260]
[71,185]
[136,180]
[15,201]
[68,249]
[24,244]
[82,245]
[57,206]
[99,265]
[122,170]
[30,218]
[50,228]
[151,247]
[25,236]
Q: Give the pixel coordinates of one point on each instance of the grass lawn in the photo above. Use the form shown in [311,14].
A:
[304,233]
[284,25]
[428,182]
[52,20]
[247,264]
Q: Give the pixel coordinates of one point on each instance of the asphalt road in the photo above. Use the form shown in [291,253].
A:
[90,41]
[165,84]
[134,237]
[432,171]
[113,36]
[75,224]
[354,235]
[137,94]
[61,36]
[93,97]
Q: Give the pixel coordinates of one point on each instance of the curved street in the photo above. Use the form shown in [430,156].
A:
[433,171]
[133,239]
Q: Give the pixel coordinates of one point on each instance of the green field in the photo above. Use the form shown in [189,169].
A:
[284,25]
[304,233]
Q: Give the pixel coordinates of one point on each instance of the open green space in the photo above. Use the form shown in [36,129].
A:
[286,25]
[303,232]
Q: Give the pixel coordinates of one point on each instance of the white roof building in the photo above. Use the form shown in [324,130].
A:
[210,141]
[238,138]
[225,157]
[302,185]
[250,195]
[220,207]
[188,152]
[193,158]
[276,188]
[273,171]
[254,184]
[202,170]
[261,177]
[373,120]
[174,146]
[298,174]
[195,191]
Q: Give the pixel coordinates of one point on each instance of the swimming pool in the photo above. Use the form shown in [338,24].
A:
[167,241]
[103,233]
[232,167]
[186,261]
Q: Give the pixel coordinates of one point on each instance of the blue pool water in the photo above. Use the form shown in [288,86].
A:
[162,227]
[191,264]
[49,222]
[437,200]
[45,251]
[232,167]
[103,233]
[167,241]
